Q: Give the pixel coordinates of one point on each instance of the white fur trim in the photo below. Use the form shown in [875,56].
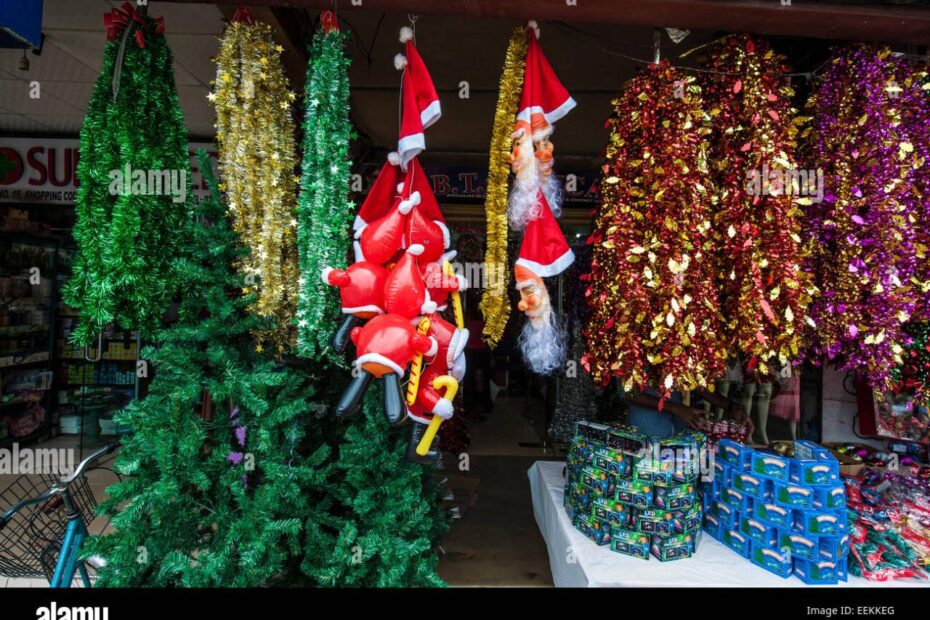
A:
[400,61]
[444,408]
[552,116]
[406,34]
[534,25]
[441,308]
[393,158]
[368,308]
[428,307]
[416,249]
[418,418]
[357,248]
[358,232]
[406,206]
[552,269]
[433,347]
[463,283]
[446,237]
[449,255]
[431,114]
[359,223]
[409,147]
[400,186]
[325,274]
[378,359]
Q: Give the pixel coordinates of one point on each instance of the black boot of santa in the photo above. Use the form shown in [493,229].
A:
[432,457]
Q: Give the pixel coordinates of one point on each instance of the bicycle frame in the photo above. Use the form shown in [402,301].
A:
[68,562]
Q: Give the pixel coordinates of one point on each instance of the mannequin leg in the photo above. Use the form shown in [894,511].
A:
[749,393]
[763,401]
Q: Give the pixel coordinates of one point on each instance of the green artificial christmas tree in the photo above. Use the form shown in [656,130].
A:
[134,183]
[324,211]
[218,502]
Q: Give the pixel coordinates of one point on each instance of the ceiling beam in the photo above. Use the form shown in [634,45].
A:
[898,24]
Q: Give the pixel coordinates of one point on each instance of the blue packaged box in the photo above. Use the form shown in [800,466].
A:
[759,532]
[636,493]
[736,454]
[613,461]
[771,465]
[790,495]
[593,528]
[806,450]
[598,480]
[821,572]
[675,497]
[629,542]
[820,523]
[612,511]
[721,472]
[830,498]
[750,484]
[772,514]
[654,521]
[737,500]
[800,545]
[815,473]
[712,525]
[833,548]
[772,560]
[737,541]
[728,517]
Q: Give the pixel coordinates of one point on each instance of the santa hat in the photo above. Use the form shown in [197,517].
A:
[389,342]
[450,339]
[405,291]
[419,101]
[544,251]
[416,180]
[379,241]
[382,194]
[361,288]
[544,100]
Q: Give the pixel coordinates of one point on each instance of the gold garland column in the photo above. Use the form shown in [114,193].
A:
[495,303]
[255,138]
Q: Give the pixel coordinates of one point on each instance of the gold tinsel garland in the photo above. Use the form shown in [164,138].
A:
[255,139]
[495,303]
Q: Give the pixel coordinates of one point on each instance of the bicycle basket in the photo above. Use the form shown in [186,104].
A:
[30,542]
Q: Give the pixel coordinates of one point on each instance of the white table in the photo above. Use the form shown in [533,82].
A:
[577,562]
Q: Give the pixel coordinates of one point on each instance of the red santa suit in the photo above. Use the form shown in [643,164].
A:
[387,344]
[448,359]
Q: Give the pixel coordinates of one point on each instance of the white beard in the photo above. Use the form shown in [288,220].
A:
[523,204]
[542,341]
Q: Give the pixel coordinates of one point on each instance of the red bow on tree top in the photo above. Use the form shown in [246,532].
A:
[117,20]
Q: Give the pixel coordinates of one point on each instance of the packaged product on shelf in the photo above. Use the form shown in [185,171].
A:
[635,493]
[630,542]
[593,431]
[686,521]
[750,484]
[736,454]
[774,561]
[712,525]
[736,499]
[673,547]
[800,545]
[759,532]
[611,511]
[819,523]
[735,540]
[675,497]
[833,548]
[819,572]
[728,517]
[822,473]
[771,465]
[830,498]
[809,451]
[654,521]
[626,439]
[793,495]
[595,529]
[613,461]
[598,480]
[772,514]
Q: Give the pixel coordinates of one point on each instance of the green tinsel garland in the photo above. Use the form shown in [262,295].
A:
[324,212]
[126,243]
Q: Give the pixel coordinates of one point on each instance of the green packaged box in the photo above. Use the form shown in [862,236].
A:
[634,493]
[612,511]
[626,439]
[629,542]
[592,527]
[675,497]
[613,461]
[675,547]
[603,483]
[655,521]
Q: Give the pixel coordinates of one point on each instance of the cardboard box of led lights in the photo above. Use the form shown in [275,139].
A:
[636,495]
[787,515]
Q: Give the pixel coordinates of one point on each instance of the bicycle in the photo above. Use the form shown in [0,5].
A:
[56,527]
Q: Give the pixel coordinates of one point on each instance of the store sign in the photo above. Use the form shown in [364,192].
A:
[44,170]
[468,185]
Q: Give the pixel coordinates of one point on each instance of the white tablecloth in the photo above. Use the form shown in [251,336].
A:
[577,562]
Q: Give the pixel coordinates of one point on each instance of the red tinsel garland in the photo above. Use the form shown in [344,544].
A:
[654,313]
